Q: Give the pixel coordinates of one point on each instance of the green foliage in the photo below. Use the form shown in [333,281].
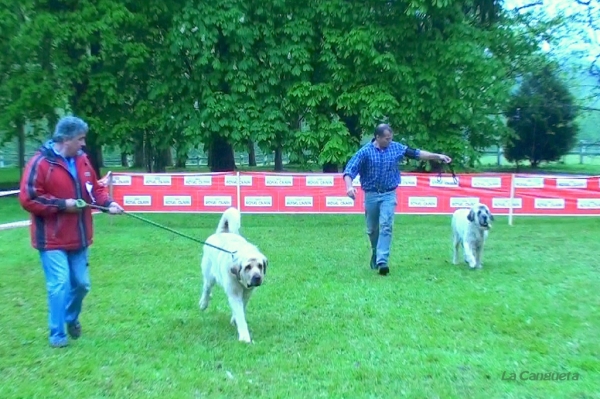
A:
[308,78]
[542,113]
[27,90]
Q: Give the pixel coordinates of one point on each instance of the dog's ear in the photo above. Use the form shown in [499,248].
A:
[471,216]
[491,216]
[235,269]
[265,264]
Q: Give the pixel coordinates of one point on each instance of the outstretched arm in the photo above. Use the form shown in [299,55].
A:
[432,156]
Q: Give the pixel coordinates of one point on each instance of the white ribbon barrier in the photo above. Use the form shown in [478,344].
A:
[13,225]
[6,193]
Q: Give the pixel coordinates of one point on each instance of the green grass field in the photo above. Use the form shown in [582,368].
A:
[324,324]
[11,211]
[569,164]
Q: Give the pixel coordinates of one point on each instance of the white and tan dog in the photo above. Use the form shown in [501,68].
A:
[470,228]
[238,271]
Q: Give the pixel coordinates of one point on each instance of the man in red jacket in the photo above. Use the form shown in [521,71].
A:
[55,177]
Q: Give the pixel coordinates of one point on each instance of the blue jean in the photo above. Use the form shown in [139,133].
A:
[379,216]
[67,283]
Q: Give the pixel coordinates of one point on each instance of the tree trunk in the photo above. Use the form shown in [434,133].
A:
[330,168]
[94,151]
[221,155]
[251,154]
[148,154]
[124,162]
[138,153]
[21,147]
[167,156]
[181,159]
[278,159]
[181,162]
[162,159]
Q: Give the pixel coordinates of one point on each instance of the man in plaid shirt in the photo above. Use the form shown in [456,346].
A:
[377,165]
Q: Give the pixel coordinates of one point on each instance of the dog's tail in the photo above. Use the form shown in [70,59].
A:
[230,221]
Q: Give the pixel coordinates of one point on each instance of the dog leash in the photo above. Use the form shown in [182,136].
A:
[454,178]
[80,203]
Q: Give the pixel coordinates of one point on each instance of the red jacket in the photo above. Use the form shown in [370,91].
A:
[45,187]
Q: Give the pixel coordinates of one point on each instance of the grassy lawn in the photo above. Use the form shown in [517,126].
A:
[569,164]
[324,324]
[11,211]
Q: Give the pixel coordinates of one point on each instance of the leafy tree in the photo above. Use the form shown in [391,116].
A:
[309,79]
[27,90]
[313,78]
[542,114]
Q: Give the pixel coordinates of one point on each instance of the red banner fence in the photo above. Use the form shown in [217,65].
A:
[269,192]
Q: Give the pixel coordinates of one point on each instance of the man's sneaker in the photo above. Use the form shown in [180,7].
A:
[383,269]
[59,344]
[373,260]
[74,330]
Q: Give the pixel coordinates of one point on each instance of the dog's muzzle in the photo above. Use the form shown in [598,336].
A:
[255,281]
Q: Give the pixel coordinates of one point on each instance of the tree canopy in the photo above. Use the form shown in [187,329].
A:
[308,79]
[542,114]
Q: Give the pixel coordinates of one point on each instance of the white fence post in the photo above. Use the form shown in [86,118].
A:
[500,152]
[239,196]
[512,197]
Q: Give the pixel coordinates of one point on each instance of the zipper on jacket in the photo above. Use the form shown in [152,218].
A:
[56,226]
[80,222]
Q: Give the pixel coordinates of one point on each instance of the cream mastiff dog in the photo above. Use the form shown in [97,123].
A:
[470,228]
[238,271]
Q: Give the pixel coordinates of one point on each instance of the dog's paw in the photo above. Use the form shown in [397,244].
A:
[203,303]
[246,339]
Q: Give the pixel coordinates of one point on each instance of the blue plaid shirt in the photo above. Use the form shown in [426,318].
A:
[378,168]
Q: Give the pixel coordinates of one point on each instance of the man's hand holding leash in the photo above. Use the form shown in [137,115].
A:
[432,156]
[350,190]
[115,209]
[444,158]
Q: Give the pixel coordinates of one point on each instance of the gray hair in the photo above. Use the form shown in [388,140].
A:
[69,127]
[381,129]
